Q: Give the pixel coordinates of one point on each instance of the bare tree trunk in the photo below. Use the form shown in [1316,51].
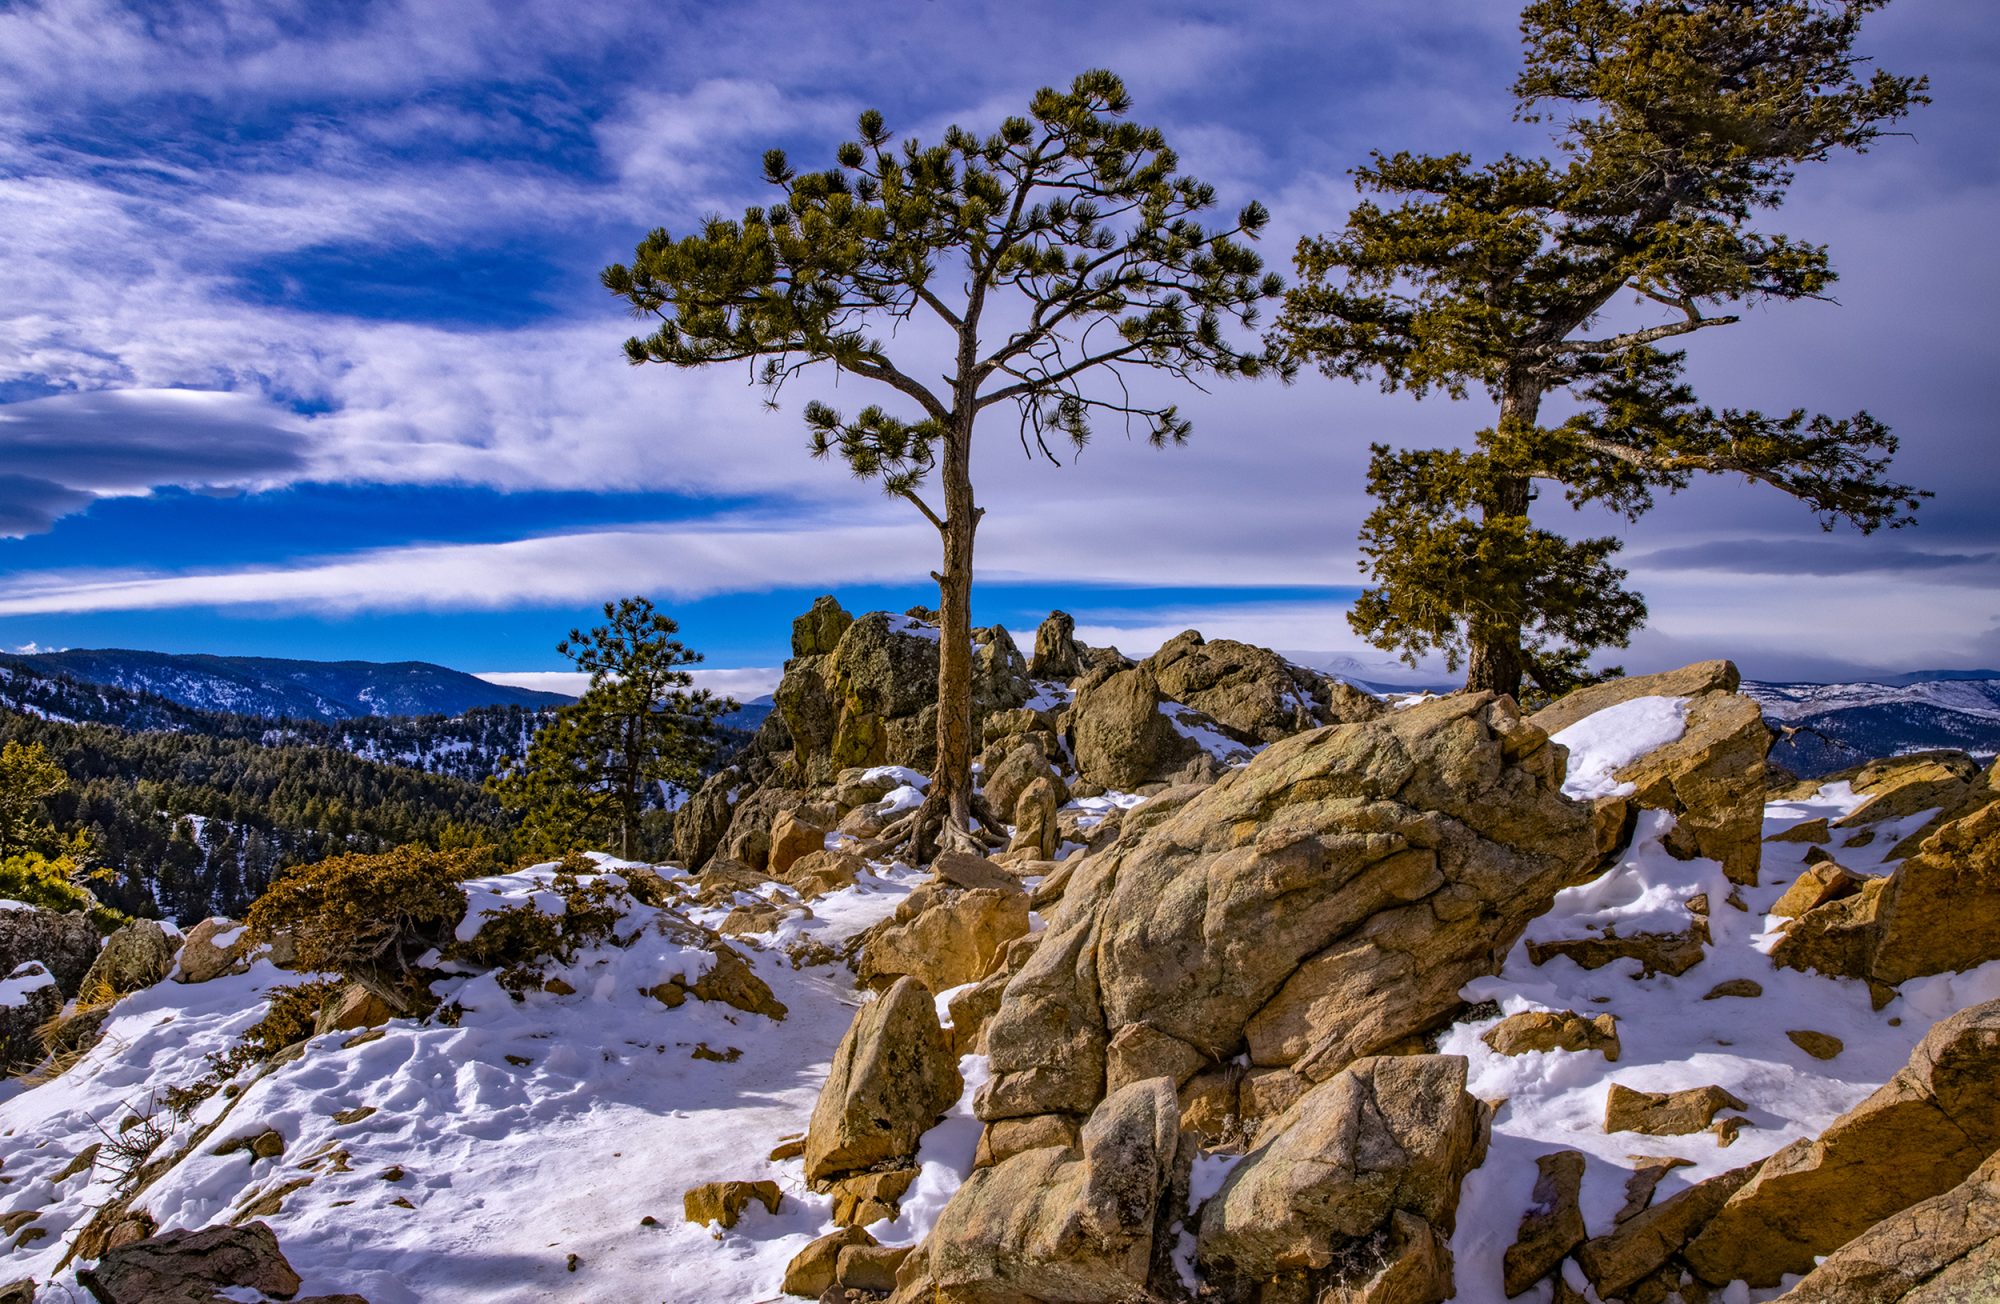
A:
[947,811]
[1496,663]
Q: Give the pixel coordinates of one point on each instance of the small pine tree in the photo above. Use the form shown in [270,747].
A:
[600,764]
[1675,123]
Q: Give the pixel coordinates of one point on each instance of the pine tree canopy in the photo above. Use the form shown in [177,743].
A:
[1675,125]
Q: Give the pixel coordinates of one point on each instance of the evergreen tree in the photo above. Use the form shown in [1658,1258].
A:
[1675,123]
[29,781]
[1051,257]
[600,764]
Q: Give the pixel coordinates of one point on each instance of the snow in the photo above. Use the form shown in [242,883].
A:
[914,628]
[1605,742]
[510,1166]
[1096,808]
[1051,695]
[24,982]
[1190,723]
[1671,1038]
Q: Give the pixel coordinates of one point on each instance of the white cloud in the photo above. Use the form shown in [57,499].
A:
[740,682]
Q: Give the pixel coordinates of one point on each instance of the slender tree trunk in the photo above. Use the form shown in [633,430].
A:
[1496,663]
[948,805]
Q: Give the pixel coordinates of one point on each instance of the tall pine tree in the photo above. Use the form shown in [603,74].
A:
[1052,257]
[1675,124]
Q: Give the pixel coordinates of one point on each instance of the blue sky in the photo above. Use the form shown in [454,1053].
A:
[304,352]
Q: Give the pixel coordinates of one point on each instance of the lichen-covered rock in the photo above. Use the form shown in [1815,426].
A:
[1944,1250]
[135,957]
[1318,905]
[892,1076]
[1253,693]
[943,935]
[1389,1134]
[1918,1136]
[1082,1227]
[818,631]
[212,948]
[63,942]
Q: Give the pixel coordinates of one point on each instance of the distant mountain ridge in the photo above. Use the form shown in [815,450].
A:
[1828,727]
[280,688]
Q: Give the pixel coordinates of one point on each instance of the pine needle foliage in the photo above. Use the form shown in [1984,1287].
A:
[1675,125]
[1055,258]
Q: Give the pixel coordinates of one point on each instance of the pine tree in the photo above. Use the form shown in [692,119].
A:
[595,769]
[29,781]
[1052,256]
[1675,124]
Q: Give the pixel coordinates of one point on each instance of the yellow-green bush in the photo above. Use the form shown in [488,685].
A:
[33,878]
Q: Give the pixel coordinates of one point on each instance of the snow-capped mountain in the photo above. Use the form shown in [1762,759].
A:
[1827,727]
[287,689]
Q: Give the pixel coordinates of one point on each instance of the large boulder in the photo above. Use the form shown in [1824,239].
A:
[818,631]
[1938,912]
[1388,1135]
[1119,734]
[701,822]
[135,957]
[1252,692]
[1944,1250]
[1918,1136]
[892,1077]
[1321,904]
[63,942]
[1711,779]
[943,935]
[1083,1226]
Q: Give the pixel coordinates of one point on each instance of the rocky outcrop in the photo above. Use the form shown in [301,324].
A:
[1711,779]
[892,1076]
[63,942]
[1637,1260]
[700,824]
[1325,902]
[1388,1136]
[1950,783]
[1938,912]
[1917,1136]
[1253,693]
[943,935]
[1944,1250]
[1057,654]
[1037,835]
[135,957]
[1088,1226]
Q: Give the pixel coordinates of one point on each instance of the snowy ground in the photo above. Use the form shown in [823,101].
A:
[529,1133]
[1671,1037]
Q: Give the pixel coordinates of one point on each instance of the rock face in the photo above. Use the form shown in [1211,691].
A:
[1083,1227]
[63,942]
[1388,1135]
[1921,1134]
[892,1076]
[1642,1249]
[1938,912]
[135,957]
[1552,1225]
[1252,692]
[943,935]
[1316,906]
[192,1267]
[1944,1250]
[1688,681]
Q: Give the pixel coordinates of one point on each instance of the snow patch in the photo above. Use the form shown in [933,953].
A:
[1605,742]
